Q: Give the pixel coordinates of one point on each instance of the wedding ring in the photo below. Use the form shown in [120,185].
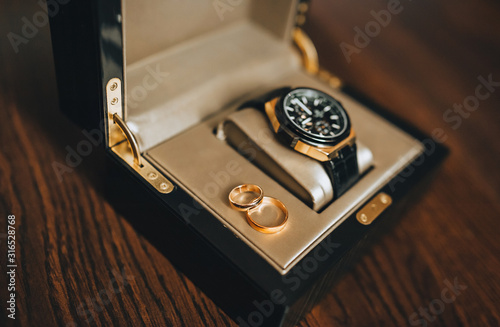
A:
[269,217]
[246,196]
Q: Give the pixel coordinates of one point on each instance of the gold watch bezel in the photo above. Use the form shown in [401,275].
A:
[319,153]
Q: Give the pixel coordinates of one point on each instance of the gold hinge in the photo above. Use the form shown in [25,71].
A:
[310,58]
[374,208]
[123,143]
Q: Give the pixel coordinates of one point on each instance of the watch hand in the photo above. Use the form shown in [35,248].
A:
[296,101]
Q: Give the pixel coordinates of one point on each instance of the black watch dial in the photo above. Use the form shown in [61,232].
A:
[316,114]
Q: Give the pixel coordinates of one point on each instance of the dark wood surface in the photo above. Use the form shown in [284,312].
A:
[71,243]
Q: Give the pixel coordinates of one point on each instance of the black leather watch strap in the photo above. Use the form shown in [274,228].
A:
[343,170]
[259,103]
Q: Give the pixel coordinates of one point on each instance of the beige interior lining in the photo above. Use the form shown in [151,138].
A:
[155,25]
[208,169]
[184,60]
[176,89]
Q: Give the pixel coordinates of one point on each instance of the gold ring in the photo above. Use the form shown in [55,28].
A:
[246,196]
[268,207]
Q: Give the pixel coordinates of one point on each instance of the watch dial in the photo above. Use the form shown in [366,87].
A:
[315,113]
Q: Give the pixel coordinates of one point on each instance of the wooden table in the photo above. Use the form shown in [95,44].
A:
[72,246]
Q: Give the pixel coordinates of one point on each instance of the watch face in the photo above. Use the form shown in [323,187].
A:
[315,114]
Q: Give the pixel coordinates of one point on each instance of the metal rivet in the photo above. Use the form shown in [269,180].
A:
[384,199]
[114,101]
[152,175]
[163,186]
[300,20]
[113,86]
[363,217]
[303,7]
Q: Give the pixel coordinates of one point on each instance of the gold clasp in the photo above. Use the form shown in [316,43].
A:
[374,208]
[132,142]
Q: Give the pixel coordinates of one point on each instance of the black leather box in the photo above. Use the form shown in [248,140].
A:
[156,78]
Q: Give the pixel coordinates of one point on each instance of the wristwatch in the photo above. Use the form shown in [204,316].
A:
[317,125]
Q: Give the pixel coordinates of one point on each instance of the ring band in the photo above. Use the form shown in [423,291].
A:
[268,201]
[245,197]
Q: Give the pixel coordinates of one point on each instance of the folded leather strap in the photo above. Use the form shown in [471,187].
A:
[342,170]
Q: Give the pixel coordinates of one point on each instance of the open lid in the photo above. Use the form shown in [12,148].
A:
[176,63]
[145,72]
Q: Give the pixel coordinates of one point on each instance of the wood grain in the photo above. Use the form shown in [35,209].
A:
[72,244]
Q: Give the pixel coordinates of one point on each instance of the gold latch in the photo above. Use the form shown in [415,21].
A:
[123,143]
[374,208]
[134,146]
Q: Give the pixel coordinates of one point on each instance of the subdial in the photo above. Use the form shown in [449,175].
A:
[322,127]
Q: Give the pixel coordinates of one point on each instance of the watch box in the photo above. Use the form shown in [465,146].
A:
[156,78]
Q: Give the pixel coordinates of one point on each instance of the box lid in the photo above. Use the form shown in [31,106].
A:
[207,56]
[109,58]
[180,62]
[100,40]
